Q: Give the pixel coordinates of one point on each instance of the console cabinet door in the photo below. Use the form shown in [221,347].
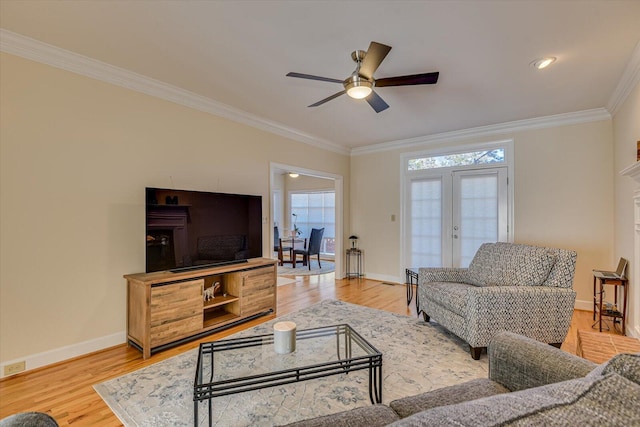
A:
[176,311]
[258,291]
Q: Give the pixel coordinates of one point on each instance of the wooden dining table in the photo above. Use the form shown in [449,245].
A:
[289,244]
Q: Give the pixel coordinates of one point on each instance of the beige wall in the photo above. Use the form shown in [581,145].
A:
[563,197]
[76,155]
[626,132]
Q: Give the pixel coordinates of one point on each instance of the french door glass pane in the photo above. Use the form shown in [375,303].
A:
[426,223]
[478,214]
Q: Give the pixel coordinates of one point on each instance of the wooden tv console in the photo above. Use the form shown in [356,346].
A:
[165,309]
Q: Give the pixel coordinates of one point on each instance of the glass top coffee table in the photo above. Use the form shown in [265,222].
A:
[251,363]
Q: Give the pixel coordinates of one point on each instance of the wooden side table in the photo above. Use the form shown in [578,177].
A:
[598,300]
[599,348]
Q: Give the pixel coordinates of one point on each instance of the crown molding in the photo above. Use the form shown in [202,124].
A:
[28,48]
[630,78]
[564,119]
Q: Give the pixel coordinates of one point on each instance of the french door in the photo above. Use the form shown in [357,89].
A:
[450,213]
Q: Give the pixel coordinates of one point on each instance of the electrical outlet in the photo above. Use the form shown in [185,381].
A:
[14,368]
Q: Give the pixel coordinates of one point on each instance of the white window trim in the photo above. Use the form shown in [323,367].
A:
[405,174]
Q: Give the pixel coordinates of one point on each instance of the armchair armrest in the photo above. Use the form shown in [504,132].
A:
[519,363]
[428,274]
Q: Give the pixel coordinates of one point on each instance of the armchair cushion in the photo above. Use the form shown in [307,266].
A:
[507,265]
[451,295]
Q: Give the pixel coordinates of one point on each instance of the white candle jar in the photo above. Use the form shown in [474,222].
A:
[284,337]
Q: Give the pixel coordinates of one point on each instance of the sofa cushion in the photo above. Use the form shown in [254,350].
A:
[458,393]
[609,400]
[368,416]
[507,264]
[451,295]
[625,364]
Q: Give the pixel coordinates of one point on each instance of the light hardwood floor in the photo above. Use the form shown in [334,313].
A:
[65,391]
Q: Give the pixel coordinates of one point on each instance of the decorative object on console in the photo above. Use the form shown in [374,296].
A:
[210,293]
[354,241]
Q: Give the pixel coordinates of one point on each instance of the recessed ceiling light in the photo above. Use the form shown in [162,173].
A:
[293,175]
[543,62]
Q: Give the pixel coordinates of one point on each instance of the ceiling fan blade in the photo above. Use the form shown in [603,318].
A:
[335,95]
[376,102]
[414,79]
[372,60]
[311,77]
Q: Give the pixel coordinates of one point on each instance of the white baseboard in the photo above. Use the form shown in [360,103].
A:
[583,305]
[67,352]
[385,278]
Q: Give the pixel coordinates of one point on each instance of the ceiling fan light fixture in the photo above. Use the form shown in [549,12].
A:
[543,62]
[357,87]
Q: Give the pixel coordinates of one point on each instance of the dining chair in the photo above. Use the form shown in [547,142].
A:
[315,241]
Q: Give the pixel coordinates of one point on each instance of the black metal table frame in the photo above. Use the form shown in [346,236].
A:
[411,274]
[358,265]
[207,391]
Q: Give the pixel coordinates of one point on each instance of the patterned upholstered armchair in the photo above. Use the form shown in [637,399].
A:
[507,287]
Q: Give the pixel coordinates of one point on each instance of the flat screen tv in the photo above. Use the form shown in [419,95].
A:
[194,229]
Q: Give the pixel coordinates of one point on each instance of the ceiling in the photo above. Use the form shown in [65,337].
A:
[238,52]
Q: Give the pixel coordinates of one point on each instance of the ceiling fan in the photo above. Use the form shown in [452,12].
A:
[360,83]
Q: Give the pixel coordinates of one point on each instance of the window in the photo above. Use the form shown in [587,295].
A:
[316,210]
[460,159]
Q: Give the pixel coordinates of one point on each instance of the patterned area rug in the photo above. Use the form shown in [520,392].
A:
[300,270]
[417,357]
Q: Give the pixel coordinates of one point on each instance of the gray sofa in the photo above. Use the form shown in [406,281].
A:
[507,287]
[530,383]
